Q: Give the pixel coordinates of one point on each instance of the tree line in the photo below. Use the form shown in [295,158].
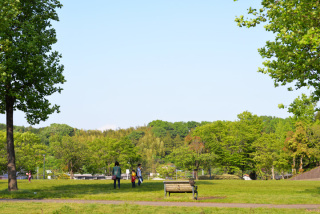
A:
[262,146]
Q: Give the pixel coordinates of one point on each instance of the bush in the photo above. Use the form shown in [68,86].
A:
[62,176]
[205,177]
[226,177]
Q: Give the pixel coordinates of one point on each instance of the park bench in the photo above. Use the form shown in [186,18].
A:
[180,187]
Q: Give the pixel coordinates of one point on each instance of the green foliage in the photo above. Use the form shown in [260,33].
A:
[269,154]
[166,171]
[226,177]
[136,135]
[3,152]
[29,68]
[72,152]
[151,150]
[232,141]
[293,55]
[159,132]
[55,132]
[193,156]
[62,176]
[248,144]
[303,109]
[125,152]
[29,151]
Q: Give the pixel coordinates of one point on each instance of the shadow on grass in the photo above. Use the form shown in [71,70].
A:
[315,191]
[79,190]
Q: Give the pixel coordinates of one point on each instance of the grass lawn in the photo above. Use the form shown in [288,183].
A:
[225,191]
[73,208]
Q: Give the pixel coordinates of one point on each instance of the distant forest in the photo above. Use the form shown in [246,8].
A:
[262,146]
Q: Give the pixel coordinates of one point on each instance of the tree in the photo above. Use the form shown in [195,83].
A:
[59,130]
[29,151]
[73,152]
[297,143]
[29,68]
[214,134]
[125,152]
[100,156]
[151,149]
[239,142]
[269,154]
[294,54]
[193,156]
[314,144]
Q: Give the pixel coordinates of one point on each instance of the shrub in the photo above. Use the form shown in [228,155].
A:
[62,176]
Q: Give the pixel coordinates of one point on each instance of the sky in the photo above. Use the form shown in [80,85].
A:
[128,63]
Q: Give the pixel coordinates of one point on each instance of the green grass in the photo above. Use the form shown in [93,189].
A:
[225,191]
[74,208]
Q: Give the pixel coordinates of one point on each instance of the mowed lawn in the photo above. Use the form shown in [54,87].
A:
[226,191]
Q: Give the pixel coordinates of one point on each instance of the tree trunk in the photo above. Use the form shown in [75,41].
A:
[301,165]
[71,170]
[293,166]
[12,175]
[195,171]
[272,171]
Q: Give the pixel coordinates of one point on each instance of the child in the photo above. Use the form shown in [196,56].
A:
[133,178]
[29,176]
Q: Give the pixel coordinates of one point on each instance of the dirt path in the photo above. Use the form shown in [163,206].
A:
[177,204]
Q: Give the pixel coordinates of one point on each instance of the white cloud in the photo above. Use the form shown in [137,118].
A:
[107,127]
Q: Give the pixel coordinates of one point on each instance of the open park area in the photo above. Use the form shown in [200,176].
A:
[98,196]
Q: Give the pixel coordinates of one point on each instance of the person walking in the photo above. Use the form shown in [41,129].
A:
[116,171]
[29,176]
[139,174]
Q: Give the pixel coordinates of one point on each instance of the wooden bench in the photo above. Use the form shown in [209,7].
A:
[180,187]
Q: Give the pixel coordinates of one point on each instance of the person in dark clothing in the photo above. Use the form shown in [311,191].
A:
[117,172]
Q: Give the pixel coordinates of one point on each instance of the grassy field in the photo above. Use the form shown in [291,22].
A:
[235,191]
[72,208]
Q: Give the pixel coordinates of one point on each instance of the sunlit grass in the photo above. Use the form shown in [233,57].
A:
[73,208]
[232,191]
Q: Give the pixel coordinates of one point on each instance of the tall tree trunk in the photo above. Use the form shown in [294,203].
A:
[196,170]
[272,171]
[12,175]
[293,166]
[71,170]
[301,165]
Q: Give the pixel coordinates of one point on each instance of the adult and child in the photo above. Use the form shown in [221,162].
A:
[116,175]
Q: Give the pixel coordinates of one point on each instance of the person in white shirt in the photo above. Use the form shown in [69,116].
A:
[139,174]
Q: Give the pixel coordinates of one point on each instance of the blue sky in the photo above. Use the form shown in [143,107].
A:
[130,62]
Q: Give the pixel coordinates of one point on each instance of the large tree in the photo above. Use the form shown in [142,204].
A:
[29,69]
[294,55]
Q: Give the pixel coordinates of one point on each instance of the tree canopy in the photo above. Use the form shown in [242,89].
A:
[293,56]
